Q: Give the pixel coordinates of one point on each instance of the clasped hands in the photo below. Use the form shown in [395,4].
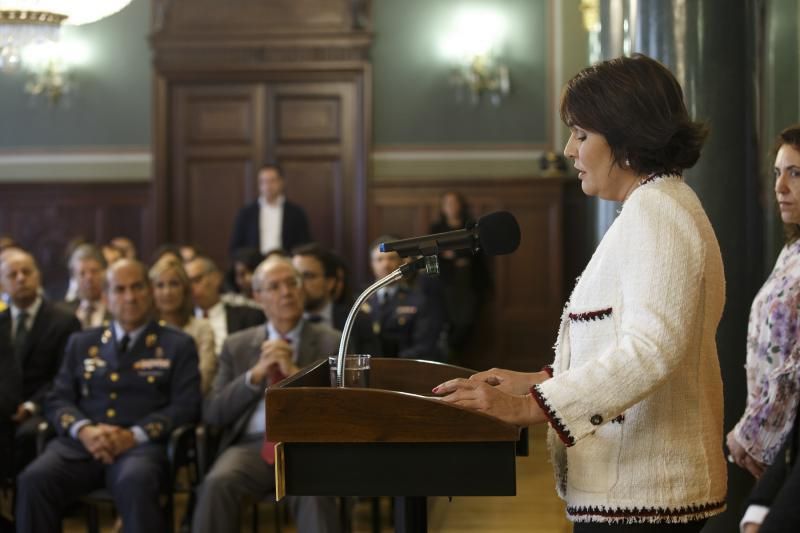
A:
[497,392]
[106,442]
[274,362]
[739,455]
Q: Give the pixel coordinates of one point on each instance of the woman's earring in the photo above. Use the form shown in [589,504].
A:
[628,163]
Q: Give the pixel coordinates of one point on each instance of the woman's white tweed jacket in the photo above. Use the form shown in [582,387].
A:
[635,402]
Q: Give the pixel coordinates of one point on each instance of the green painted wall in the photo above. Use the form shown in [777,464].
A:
[414,101]
[111,103]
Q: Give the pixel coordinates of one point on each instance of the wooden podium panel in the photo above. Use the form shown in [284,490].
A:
[393,441]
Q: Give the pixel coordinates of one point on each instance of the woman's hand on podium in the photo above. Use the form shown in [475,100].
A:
[509,381]
[520,410]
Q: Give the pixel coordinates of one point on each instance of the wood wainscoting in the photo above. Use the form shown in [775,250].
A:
[45,217]
[531,285]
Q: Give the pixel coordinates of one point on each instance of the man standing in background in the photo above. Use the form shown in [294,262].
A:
[271,222]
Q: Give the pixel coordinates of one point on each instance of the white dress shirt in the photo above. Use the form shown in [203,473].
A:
[270,221]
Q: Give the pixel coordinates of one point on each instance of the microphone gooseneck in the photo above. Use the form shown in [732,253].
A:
[495,233]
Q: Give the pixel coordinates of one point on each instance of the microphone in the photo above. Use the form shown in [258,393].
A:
[495,233]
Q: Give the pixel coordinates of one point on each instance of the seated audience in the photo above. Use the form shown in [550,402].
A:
[88,269]
[773,365]
[408,315]
[225,318]
[188,252]
[119,393]
[71,292]
[125,246]
[318,271]
[250,361]
[172,293]
[172,251]
[111,253]
[340,294]
[240,276]
[38,331]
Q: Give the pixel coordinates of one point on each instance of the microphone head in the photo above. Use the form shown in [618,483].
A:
[498,233]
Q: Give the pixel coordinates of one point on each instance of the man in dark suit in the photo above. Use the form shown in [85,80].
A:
[38,331]
[271,222]
[225,318]
[317,267]
[10,398]
[773,503]
[88,268]
[407,316]
[252,360]
[119,393]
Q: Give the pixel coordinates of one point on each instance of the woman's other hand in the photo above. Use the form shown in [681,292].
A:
[509,381]
[475,394]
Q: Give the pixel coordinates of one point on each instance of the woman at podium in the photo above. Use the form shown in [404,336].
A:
[634,395]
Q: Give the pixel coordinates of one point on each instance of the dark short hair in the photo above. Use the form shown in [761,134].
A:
[637,105]
[319,253]
[249,257]
[789,136]
[272,166]
[86,252]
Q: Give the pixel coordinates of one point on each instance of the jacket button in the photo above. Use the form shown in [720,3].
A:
[596,420]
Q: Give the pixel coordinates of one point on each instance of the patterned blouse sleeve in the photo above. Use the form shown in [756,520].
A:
[773,369]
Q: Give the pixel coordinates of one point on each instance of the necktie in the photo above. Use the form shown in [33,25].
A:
[205,313]
[123,343]
[21,335]
[314,319]
[268,448]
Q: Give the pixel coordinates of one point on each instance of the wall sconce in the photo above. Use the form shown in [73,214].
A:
[473,45]
[49,69]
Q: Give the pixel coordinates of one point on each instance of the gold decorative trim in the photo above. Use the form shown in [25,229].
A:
[280,473]
[12,16]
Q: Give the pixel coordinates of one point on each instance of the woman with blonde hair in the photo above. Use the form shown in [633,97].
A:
[173,300]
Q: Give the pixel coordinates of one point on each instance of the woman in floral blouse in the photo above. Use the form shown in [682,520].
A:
[773,350]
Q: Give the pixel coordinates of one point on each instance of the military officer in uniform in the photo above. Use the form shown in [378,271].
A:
[117,396]
[408,317]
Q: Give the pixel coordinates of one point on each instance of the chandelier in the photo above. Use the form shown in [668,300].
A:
[37,22]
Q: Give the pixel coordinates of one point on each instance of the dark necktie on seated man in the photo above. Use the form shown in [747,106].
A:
[268,448]
[21,335]
[123,343]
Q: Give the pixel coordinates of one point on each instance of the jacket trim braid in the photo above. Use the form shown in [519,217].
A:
[555,422]
[548,369]
[590,315]
[647,514]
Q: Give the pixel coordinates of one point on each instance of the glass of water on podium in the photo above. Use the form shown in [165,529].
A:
[356,370]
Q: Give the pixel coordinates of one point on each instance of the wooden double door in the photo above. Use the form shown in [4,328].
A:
[220,133]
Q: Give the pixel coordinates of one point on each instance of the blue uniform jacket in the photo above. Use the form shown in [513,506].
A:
[155,385]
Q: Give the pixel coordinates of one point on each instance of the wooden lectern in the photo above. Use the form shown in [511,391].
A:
[391,439]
